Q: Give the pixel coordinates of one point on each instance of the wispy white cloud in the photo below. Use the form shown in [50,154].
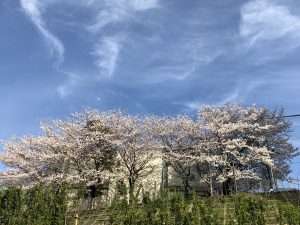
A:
[33,8]
[106,53]
[239,93]
[142,4]
[183,58]
[107,49]
[193,105]
[73,80]
[264,21]
[109,13]
[112,11]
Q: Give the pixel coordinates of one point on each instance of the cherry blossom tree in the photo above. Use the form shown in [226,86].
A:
[239,136]
[225,144]
[30,160]
[79,149]
[278,141]
[136,151]
[96,148]
[181,142]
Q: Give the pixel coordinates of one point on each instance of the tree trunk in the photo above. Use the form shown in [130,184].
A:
[186,186]
[186,183]
[131,189]
[227,187]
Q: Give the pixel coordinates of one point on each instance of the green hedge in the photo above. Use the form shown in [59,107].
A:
[39,205]
[288,214]
[168,210]
[42,205]
[174,209]
[250,210]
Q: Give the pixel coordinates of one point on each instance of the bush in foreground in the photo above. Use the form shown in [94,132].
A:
[39,205]
[174,209]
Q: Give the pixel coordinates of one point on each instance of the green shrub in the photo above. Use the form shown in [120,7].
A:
[170,209]
[250,210]
[288,214]
[10,206]
[39,205]
[174,209]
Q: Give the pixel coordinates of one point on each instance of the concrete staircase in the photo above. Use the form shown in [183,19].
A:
[89,217]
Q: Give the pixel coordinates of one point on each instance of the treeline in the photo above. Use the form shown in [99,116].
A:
[226,145]
[39,205]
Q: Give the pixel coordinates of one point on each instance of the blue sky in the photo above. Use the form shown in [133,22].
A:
[145,56]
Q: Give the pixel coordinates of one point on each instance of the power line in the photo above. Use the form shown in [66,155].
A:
[291,116]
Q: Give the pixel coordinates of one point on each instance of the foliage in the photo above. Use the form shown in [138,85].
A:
[250,210]
[174,209]
[39,205]
[11,200]
[288,214]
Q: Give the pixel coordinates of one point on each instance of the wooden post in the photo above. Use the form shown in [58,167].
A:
[225,212]
[211,186]
[66,218]
[76,219]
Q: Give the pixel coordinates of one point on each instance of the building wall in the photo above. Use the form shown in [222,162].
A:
[176,181]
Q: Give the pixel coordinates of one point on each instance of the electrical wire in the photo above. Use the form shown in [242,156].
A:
[292,116]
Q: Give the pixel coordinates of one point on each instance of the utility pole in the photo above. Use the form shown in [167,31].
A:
[273,185]
[298,186]
[272,180]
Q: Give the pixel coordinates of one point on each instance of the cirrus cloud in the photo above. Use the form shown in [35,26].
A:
[33,8]
[264,22]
